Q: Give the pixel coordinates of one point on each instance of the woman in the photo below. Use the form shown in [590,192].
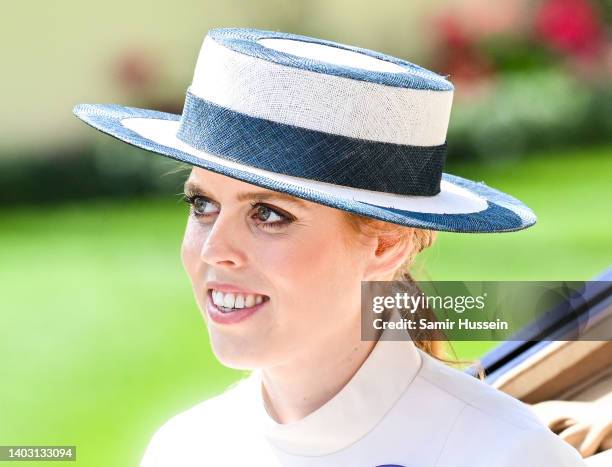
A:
[317,166]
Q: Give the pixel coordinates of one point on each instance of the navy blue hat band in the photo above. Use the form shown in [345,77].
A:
[312,154]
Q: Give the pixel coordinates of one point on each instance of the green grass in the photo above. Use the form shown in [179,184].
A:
[101,341]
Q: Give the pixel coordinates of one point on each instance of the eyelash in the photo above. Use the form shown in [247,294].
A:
[191,200]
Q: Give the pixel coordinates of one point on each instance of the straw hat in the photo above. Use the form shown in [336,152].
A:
[338,125]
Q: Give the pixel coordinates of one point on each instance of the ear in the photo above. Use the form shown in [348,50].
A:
[386,255]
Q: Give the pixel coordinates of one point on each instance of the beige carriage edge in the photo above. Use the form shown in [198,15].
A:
[569,385]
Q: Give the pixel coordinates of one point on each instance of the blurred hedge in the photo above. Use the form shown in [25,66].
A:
[106,168]
[530,112]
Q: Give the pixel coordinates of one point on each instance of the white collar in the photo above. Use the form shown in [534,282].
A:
[355,410]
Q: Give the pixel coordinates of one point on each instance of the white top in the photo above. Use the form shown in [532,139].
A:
[402,408]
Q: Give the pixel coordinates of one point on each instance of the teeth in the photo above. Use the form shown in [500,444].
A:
[233,300]
[228,300]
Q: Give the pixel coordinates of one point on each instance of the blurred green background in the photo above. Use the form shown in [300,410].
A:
[100,338]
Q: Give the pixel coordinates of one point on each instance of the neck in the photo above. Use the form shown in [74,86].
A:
[298,387]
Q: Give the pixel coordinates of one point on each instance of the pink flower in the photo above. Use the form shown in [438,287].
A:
[451,31]
[135,69]
[570,26]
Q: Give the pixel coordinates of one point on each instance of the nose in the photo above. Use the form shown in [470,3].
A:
[223,246]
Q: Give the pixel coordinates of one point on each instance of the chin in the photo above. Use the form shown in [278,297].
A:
[237,352]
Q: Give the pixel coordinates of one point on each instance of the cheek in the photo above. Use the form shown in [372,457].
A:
[310,273]
[190,249]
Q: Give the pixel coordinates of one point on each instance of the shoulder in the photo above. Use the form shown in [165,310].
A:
[476,397]
[187,436]
[540,447]
[487,423]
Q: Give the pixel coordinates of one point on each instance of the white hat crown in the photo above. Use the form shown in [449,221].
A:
[259,86]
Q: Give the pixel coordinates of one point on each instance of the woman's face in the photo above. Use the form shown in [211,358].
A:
[290,250]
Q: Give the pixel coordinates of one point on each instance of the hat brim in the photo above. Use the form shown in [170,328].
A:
[461,206]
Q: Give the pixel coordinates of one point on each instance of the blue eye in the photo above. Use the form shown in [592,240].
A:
[264,215]
[199,205]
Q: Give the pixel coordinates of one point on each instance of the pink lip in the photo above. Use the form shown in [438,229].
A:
[233,317]
[226,288]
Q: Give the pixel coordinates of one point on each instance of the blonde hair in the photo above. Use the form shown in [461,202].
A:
[419,239]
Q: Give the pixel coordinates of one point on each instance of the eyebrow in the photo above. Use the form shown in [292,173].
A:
[193,188]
